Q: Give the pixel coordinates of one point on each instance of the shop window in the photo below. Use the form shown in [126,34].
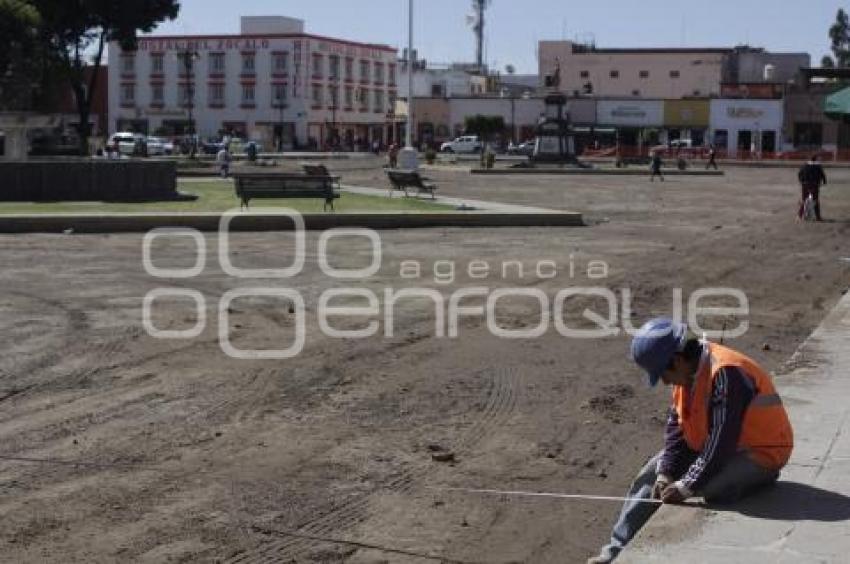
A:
[721,138]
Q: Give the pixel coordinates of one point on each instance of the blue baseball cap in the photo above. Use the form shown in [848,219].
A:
[655,344]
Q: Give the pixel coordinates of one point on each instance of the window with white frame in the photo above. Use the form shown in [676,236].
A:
[379,101]
[317,94]
[349,96]
[318,64]
[185,94]
[248,63]
[333,96]
[379,73]
[391,74]
[217,94]
[333,72]
[157,95]
[364,98]
[278,94]
[248,94]
[364,71]
[128,63]
[128,94]
[157,63]
[217,63]
[349,68]
[280,62]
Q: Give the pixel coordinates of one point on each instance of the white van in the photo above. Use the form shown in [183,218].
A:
[464,144]
[125,142]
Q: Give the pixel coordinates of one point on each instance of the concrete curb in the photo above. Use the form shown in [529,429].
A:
[209,222]
[597,172]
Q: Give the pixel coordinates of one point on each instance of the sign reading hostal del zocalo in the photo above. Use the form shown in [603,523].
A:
[633,113]
[686,113]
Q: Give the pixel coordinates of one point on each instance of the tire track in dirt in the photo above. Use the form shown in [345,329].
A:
[501,403]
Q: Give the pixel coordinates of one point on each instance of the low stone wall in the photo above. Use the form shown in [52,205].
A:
[87,180]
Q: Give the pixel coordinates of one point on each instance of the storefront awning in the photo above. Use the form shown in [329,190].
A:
[837,105]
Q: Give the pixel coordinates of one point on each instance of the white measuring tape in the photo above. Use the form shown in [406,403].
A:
[551,495]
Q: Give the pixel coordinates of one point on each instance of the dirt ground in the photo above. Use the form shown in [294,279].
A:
[115,446]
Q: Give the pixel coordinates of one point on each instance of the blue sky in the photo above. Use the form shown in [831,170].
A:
[514,27]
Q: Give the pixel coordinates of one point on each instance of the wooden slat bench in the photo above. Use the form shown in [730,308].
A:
[404,179]
[284,185]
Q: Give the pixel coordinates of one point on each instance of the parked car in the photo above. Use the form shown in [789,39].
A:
[239,146]
[526,148]
[211,147]
[159,146]
[126,142]
[463,144]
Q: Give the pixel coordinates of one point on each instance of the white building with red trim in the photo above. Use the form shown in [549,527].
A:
[273,82]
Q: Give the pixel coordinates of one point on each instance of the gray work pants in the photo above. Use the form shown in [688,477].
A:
[735,479]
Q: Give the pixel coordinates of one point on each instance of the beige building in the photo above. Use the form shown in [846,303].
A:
[638,73]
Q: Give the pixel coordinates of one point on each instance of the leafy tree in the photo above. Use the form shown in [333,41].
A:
[71,29]
[485,127]
[827,62]
[839,35]
[19,22]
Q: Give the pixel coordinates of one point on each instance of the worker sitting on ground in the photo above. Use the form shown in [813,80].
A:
[727,432]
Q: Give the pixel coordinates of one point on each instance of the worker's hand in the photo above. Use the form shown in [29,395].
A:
[660,485]
[671,494]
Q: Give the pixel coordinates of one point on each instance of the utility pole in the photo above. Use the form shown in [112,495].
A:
[479,6]
[409,157]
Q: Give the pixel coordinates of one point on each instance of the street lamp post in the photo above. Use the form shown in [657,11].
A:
[408,157]
[188,58]
[281,106]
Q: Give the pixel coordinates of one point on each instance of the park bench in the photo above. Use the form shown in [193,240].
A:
[320,170]
[284,185]
[404,179]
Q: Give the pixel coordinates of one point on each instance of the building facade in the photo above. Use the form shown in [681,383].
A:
[272,83]
[635,73]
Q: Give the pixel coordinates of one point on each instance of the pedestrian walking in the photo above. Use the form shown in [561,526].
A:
[393,155]
[655,167]
[223,160]
[727,432]
[712,156]
[811,177]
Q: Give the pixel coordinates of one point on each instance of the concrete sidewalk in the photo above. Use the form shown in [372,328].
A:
[806,516]
[477,205]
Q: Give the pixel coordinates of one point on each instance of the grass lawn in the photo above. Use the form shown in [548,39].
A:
[219,196]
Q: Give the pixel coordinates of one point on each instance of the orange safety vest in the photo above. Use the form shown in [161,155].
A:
[765,431]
